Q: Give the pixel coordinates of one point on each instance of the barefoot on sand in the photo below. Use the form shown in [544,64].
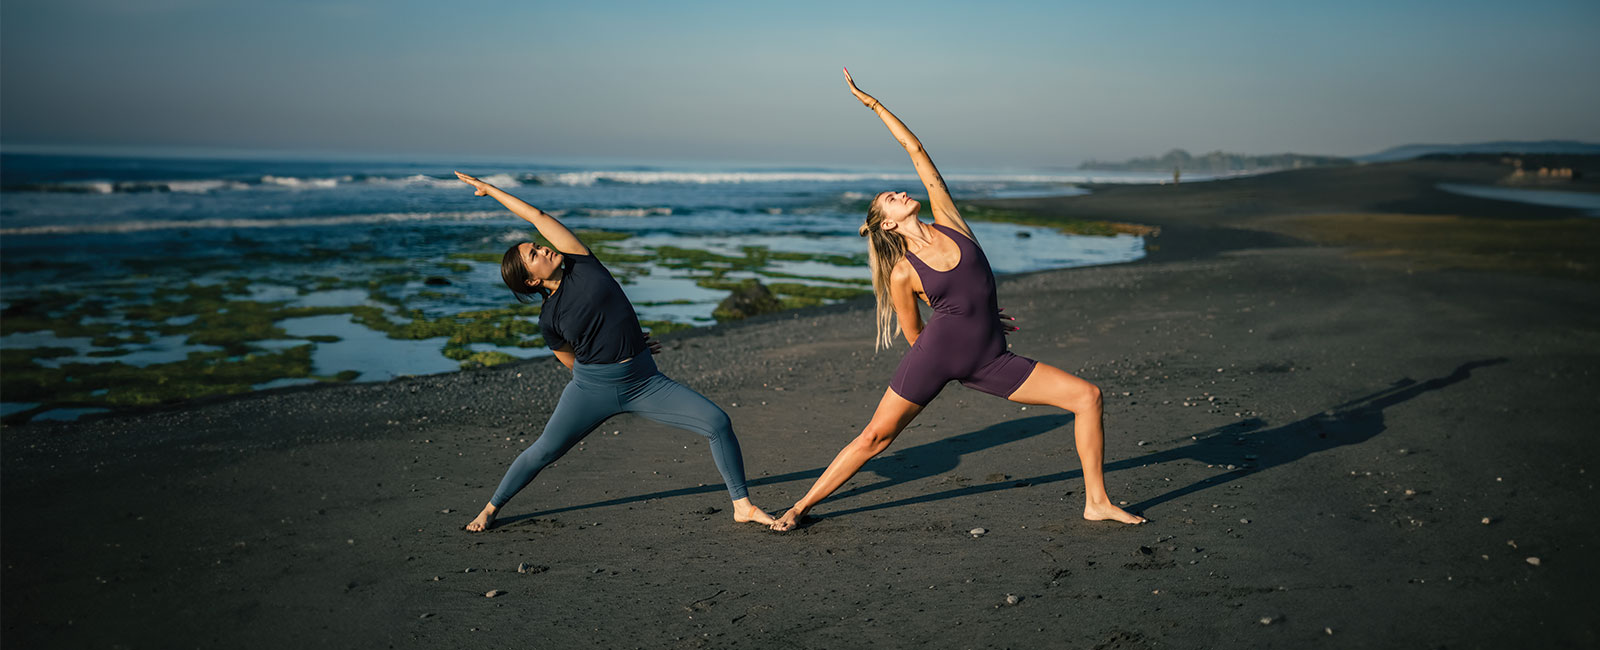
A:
[1108,512]
[483,521]
[789,521]
[744,511]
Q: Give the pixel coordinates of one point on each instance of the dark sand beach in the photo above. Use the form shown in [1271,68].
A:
[1358,411]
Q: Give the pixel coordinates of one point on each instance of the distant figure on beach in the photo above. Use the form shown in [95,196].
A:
[590,325]
[942,264]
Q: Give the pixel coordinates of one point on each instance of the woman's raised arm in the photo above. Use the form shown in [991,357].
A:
[944,208]
[555,232]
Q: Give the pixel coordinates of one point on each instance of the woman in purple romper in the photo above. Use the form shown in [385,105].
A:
[942,264]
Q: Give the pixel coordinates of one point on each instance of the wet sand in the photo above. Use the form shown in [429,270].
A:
[1317,428]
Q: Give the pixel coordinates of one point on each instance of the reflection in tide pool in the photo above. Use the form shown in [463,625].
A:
[376,356]
[1588,202]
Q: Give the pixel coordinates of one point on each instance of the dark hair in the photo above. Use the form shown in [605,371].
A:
[515,274]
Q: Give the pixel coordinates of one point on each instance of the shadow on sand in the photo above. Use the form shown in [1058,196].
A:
[1247,445]
[922,461]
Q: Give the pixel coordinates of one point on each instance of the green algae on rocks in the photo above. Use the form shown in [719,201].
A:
[113,384]
[1064,225]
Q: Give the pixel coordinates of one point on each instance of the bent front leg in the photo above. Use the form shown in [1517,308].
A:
[671,403]
[893,414]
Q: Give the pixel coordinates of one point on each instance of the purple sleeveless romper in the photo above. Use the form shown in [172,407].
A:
[962,340]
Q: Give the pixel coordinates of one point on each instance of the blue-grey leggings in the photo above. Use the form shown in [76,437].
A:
[599,391]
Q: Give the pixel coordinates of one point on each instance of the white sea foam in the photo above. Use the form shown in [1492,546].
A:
[200,187]
[303,183]
[705,178]
[207,224]
[627,212]
[502,181]
[586,178]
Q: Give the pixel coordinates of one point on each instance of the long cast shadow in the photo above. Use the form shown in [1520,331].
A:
[1352,422]
[910,464]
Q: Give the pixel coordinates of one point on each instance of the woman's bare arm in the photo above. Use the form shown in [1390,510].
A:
[904,298]
[565,355]
[944,208]
[555,232]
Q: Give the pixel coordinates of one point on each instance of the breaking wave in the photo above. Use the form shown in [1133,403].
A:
[208,224]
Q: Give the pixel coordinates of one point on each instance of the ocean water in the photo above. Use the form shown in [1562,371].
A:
[110,260]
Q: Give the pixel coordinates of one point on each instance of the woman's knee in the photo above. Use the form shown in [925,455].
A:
[716,425]
[713,426]
[876,438]
[1085,399]
[538,456]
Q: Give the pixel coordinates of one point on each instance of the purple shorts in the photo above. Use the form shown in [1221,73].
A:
[923,372]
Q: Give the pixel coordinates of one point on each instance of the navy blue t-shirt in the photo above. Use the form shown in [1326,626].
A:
[591,313]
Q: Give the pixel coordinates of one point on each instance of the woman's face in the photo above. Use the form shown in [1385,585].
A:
[541,261]
[898,208]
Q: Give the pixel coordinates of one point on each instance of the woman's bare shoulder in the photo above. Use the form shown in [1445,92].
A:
[902,270]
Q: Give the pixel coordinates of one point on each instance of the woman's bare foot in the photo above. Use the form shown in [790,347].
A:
[744,511]
[789,521]
[484,520]
[1104,511]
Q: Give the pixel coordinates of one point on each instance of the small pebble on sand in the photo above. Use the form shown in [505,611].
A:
[977,532]
[1485,521]
[1244,521]
[1328,631]
[1266,620]
[1012,599]
[1534,561]
[494,592]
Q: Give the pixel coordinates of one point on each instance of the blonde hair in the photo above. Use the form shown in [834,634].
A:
[884,251]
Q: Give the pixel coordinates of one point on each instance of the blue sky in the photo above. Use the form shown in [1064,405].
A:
[993,84]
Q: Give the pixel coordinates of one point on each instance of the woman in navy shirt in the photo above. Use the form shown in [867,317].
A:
[590,325]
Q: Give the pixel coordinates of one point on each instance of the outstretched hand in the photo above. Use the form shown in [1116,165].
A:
[481,187]
[654,345]
[1005,322]
[866,100]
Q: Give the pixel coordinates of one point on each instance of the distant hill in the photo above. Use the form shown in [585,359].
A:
[1407,152]
[1216,162]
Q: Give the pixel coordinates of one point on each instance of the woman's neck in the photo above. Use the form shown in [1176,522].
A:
[554,281]
[918,235]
